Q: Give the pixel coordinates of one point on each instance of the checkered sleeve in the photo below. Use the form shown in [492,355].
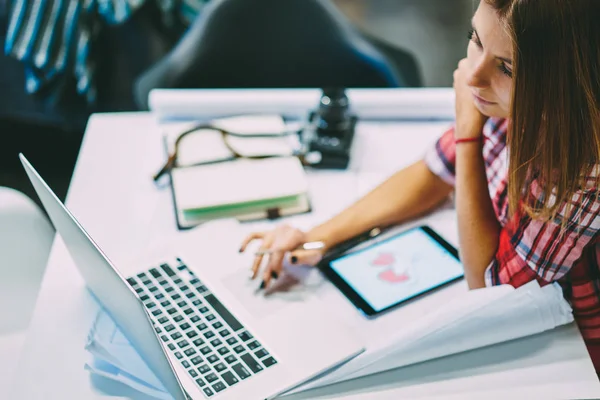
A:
[441,157]
[545,250]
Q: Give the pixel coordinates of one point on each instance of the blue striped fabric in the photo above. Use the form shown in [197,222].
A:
[53,37]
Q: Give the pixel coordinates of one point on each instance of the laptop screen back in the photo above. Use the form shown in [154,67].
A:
[107,285]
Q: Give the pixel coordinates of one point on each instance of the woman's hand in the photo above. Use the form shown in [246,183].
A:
[281,242]
[469,120]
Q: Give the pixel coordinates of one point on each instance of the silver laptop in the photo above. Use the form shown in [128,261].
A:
[201,332]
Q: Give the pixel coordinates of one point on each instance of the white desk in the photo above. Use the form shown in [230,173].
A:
[114,198]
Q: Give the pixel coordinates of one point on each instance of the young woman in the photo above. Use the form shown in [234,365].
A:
[521,158]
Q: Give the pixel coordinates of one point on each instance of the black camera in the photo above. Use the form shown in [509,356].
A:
[328,138]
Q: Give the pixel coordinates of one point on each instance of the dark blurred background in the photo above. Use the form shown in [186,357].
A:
[49,132]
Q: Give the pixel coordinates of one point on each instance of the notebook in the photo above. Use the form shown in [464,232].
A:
[245,189]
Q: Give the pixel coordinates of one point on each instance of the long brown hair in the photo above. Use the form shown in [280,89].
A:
[554,133]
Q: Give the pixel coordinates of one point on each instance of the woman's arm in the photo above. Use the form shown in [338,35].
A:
[409,193]
[478,227]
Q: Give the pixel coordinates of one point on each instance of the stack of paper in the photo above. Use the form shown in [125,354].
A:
[479,318]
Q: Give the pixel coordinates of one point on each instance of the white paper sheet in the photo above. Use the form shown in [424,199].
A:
[476,319]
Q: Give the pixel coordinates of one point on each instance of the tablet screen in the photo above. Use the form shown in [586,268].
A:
[398,268]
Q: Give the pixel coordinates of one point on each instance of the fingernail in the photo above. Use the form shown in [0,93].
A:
[262,285]
[274,275]
[241,249]
[294,259]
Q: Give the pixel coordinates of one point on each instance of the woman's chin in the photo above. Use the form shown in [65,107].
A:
[491,111]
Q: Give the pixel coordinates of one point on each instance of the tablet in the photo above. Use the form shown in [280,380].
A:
[392,271]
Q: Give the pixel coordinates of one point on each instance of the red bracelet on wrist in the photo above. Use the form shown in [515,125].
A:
[467,140]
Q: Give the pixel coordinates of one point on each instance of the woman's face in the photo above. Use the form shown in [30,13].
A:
[489,58]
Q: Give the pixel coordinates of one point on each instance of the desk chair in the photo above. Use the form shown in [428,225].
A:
[274,44]
[25,239]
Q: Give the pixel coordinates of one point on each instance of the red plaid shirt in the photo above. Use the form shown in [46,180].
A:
[529,249]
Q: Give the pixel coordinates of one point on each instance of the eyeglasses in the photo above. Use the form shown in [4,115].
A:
[173,158]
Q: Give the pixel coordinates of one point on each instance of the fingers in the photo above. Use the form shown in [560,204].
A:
[273,269]
[305,257]
[266,244]
[250,238]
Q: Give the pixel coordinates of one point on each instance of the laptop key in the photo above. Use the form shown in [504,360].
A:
[200,382]
[261,353]
[203,310]
[190,295]
[209,334]
[229,378]
[212,358]
[184,326]
[139,290]
[162,282]
[176,335]
[185,364]
[176,296]
[205,350]
[150,305]
[198,342]
[245,336]
[162,320]
[211,377]
[146,282]
[188,311]
[178,355]
[196,360]
[169,289]
[208,392]
[167,269]
[253,345]
[153,289]
[155,273]
[194,281]
[202,326]
[232,341]
[131,281]
[177,280]
[159,296]
[190,352]
[181,303]
[217,325]
[171,346]
[230,359]
[182,344]
[216,342]
[223,351]
[164,338]
[193,373]
[220,367]
[204,368]
[241,371]
[219,386]
[172,311]
[158,330]
[195,318]
[224,333]
[269,362]
[177,318]
[239,349]
[144,297]
[165,303]
[197,302]
[251,363]
[210,317]
[169,327]
[156,312]
[191,334]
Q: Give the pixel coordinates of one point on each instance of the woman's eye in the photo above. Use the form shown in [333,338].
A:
[473,37]
[504,70]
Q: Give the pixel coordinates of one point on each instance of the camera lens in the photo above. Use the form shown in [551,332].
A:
[333,111]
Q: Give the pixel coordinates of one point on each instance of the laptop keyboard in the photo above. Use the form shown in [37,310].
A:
[215,349]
